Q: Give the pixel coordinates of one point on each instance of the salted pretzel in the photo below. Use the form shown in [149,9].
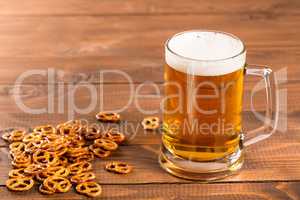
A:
[92,132]
[88,157]
[33,169]
[106,144]
[16,136]
[58,171]
[76,152]
[83,177]
[32,137]
[108,117]
[53,171]
[91,189]
[150,123]
[46,129]
[18,173]
[118,167]
[21,160]
[100,152]
[17,147]
[45,190]
[43,158]
[20,184]
[115,136]
[5,136]
[32,146]
[78,168]
[58,184]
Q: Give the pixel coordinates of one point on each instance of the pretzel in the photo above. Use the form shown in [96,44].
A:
[31,137]
[115,136]
[78,168]
[106,144]
[16,136]
[92,132]
[85,157]
[58,184]
[76,152]
[83,177]
[33,169]
[58,171]
[91,189]
[19,184]
[99,151]
[108,117]
[17,147]
[46,129]
[18,173]
[118,167]
[21,160]
[6,136]
[150,123]
[43,157]
[45,190]
[53,171]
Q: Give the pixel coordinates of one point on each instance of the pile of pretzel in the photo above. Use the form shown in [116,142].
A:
[58,157]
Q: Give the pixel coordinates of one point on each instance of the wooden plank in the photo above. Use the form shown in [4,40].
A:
[138,68]
[275,159]
[241,191]
[81,46]
[119,7]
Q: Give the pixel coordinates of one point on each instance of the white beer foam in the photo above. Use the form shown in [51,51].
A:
[205,53]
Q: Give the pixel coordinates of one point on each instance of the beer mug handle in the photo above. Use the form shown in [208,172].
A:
[270,119]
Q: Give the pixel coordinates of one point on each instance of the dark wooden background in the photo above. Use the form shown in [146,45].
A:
[81,37]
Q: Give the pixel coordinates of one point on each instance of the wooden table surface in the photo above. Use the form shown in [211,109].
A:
[79,38]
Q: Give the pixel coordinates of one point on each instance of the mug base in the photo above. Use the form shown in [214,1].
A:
[202,171]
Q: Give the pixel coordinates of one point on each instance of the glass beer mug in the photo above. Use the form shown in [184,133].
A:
[204,73]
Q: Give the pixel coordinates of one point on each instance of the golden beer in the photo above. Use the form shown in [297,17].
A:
[209,129]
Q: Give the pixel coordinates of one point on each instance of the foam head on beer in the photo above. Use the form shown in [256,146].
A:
[205,53]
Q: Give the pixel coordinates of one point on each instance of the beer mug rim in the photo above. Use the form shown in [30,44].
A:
[168,48]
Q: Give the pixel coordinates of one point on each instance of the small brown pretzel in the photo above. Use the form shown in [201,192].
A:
[6,136]
[85,157]
[99,151]
[106,144]
[83,177]
[45,190]
[32,137]
[91,189]
[92,132]
[21,160]
[118,167]
[115,136]
[53,171]
[43,158]
[16,136]
[58,184]
[150,123]
[46,129]
[19,184]
[33,169]
[17,173]
[78,168]
[108,117]
[17,147]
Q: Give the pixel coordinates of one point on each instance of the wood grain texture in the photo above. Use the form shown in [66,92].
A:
[83,45]
[241,191]
[138,7]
